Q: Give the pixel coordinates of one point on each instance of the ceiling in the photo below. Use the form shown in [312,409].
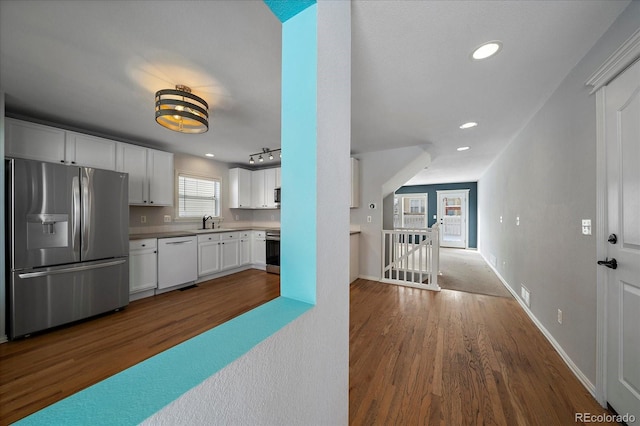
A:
[95,66]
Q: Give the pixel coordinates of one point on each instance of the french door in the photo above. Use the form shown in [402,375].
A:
[453,207]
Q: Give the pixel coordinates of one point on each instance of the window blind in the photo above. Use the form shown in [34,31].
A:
[198,197]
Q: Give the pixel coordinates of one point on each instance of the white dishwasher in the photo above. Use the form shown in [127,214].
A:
[177,261]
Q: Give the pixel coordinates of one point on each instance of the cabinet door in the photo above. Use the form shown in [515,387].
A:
[245,248]
[269,186]
[259,256]
[143,274]
[239,188]
[160,175]
[132,159]
[208,258]
[355,183]
[90,151]
[257,189]
[278,177]
[33,141]
[230,254]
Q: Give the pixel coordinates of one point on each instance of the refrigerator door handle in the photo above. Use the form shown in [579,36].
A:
[75,227]
[87,204]
[71,269]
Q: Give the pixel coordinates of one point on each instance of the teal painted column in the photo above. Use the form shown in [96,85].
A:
[299,148]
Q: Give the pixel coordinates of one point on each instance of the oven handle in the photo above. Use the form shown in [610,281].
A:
[272,238]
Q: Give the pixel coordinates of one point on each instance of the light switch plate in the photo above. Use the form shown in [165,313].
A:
[167,218]
[586,226]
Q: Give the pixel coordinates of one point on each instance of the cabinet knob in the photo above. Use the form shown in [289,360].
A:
[144,245]
[62,161]
[73,162]
[151,202]
[155,251]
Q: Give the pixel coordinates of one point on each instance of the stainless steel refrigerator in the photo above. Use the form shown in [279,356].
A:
[68,244]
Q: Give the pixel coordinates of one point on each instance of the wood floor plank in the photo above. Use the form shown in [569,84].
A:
[454,358]
[45,368]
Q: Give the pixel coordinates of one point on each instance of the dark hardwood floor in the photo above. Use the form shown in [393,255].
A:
[416,357]
[454,358]
[40,370]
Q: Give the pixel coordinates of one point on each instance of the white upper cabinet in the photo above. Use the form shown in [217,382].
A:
[160,175]
[45,143]
[34,141]
[150,174]
[263,182]
[90,151]
[355,183]
[239,188]
[132,159]
[278,180]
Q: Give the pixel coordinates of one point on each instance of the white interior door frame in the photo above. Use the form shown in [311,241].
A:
[624,56]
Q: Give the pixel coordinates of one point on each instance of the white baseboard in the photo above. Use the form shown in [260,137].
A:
[572,366]
[369,277]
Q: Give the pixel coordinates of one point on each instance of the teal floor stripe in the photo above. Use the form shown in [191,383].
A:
[133,395]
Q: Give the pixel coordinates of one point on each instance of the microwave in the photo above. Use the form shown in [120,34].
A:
[276,196]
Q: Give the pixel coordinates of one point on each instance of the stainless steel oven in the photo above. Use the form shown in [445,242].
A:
[273,250]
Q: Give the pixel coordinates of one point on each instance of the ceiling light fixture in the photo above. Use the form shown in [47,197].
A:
[181,111]
[468,125]
[486,50]
[265,152]
[463,148]
[209,155]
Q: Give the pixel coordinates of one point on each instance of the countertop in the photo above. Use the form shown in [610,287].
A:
[192,233]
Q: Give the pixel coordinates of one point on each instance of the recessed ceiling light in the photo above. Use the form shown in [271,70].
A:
[486,50]
[210,155]
[463,148]
[468,125]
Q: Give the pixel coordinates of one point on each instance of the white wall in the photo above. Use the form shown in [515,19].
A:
[547,177]
[299,376]
[377,170]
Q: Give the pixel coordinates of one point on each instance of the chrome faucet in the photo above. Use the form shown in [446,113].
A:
[204,221]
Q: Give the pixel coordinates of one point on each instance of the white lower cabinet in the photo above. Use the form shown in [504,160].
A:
[219,252]
[143,264]
[245,247]
[259,252]
[177,261]
[230,256]
[208,254]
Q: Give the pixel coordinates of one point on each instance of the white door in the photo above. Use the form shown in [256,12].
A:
[452,217]
[622,124]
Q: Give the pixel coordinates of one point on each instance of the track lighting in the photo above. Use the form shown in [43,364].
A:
[265,152]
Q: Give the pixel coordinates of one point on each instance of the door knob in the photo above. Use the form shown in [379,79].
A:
[613,264]
[613,238]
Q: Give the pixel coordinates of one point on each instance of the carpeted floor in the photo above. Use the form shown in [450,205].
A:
[466,270]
